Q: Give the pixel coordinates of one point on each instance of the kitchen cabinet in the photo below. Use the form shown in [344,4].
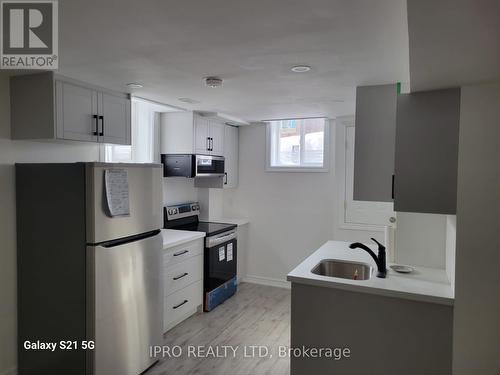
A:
[189,133]
[374,142]
[406,148]
[49,106]
[426,162]
[383,334]
[231,138]
[183,282]
[209,136]
[202,137]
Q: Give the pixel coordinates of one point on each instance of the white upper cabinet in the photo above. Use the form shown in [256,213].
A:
[49,106]
[231,139]
[114,119]
[190,133]
[209,136]
[76,112]
[216,135]
[202,137]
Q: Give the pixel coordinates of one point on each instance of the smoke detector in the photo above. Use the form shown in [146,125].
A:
[300,68]
[213,82]
[134,85]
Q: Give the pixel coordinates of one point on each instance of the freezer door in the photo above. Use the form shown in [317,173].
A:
[145,201]
[126,306]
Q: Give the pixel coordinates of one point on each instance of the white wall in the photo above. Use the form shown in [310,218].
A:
[476,335]
[12,152]
[451,242]
[291,214]
[420,239]
[179,190]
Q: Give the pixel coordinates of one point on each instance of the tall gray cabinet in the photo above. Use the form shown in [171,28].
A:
[49,106]
[374,142]
[426,163]
[406,148]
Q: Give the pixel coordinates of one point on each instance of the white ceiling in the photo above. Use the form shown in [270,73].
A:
[169,46]
[453,42]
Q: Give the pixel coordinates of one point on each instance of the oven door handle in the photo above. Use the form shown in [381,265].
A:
[219,240]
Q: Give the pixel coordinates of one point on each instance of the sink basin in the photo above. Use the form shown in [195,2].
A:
[343,269]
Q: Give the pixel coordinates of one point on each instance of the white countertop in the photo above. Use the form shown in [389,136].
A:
[174,237]
[424,284]
[227,220]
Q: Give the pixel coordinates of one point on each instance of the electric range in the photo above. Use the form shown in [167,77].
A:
[220,254]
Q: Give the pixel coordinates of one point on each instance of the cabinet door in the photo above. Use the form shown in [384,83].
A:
[76,108]
[374,142]
[114,119]
[427,152]
[231,157]
[201,141]
[216,134]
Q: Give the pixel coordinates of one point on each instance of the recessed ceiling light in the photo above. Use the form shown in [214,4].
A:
[300,68]
[134,85]
[213,82]
[188,100]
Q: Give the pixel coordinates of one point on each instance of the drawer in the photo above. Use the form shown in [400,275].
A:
[182,274]
[179,253]
[179,304]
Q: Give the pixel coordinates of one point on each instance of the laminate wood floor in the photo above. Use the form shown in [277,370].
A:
[256,315]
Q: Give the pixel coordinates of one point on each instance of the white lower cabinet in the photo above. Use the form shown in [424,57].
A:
[182,304]
[183,282]
[183,274]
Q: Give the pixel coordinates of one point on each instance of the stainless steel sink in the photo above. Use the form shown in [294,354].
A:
[343,269]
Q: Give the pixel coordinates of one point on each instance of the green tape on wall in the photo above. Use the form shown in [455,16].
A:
[398,87]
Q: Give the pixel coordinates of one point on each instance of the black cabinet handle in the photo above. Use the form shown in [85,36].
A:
[208,143]
[180,276]
[392,191]
[180,304]
[225,178]
[181,252]
[102,125]
[95,117]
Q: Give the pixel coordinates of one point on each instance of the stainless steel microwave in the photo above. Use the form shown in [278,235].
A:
[189,165]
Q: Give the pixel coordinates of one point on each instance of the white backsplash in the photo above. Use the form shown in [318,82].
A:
[179,190]
[420,239]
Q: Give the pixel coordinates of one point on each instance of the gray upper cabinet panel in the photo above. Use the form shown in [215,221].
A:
[374,142]
[114,119]
[76,109]
[427,152]
[32,106]
[49,106]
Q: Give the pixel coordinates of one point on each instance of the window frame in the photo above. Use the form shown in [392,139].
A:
[302,168]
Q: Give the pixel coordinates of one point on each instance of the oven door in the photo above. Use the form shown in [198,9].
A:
[209,166]
[220,264]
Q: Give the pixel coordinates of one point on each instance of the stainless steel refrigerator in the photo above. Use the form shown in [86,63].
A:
[89,267]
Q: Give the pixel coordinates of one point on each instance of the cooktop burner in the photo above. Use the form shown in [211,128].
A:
[185,217]
[203,226]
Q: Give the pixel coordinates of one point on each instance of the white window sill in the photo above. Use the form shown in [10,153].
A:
[297,169]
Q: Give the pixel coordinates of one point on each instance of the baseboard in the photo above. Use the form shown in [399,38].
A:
[266,281]
[9,371]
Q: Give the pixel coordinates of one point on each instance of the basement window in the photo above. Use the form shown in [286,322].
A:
[297,145]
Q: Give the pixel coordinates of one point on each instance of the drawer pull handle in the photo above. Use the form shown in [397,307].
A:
[180,276]
[181,252]
[180,304]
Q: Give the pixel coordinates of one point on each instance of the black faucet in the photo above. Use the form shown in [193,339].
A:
[379,260]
